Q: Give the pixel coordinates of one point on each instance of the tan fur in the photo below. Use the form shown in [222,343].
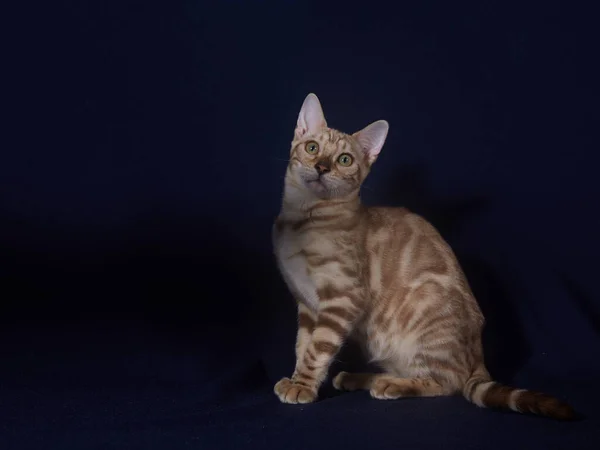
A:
[384,276]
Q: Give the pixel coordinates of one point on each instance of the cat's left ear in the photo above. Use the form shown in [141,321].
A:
[371,139]
[311,119]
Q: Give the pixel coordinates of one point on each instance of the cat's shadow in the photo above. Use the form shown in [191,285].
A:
[504,344]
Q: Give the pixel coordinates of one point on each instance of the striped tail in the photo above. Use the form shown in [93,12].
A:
[487,393]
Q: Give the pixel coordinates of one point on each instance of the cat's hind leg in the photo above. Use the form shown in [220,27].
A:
[387,387]
[390,387]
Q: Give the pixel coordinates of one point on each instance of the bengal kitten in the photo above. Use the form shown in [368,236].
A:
[384,276]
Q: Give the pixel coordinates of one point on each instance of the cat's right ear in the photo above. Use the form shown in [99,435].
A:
[311,119]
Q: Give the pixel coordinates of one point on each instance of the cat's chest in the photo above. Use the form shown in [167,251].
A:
[290,252]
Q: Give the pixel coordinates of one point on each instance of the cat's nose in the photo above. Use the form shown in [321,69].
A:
[322,168]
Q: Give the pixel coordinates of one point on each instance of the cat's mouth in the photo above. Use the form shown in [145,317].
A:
[316,184]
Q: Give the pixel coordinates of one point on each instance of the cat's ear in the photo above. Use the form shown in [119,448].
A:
[311,119]
[371,139]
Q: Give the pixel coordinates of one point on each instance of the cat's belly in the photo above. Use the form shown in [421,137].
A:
[393,352]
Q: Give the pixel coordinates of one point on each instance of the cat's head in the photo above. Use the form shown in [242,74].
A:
[328,163]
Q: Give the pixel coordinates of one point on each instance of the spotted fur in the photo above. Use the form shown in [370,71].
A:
[384,276]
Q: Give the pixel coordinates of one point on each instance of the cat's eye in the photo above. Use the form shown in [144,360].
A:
[345,160]
[312,148]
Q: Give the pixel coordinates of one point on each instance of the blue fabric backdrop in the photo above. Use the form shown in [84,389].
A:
[141,169]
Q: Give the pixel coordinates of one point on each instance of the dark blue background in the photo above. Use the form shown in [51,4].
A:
[141,169]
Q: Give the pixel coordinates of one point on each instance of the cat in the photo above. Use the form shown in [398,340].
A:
[381,275]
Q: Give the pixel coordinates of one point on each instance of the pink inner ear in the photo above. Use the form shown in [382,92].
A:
[366,145]
[300,131]
[311,118]
[372,138]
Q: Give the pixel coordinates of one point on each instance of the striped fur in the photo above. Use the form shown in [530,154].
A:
[382,275]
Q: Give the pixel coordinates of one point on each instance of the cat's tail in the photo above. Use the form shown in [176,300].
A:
[485,392]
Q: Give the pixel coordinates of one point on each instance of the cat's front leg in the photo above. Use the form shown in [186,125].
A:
[337,315]
[306,325]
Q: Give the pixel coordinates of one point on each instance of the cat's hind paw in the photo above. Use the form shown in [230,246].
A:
[338,381]
[345,381]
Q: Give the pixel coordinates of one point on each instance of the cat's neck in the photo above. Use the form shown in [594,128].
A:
[298,203]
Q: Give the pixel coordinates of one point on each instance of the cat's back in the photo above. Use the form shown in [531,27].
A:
[402,246]
[399,224]
[389,225]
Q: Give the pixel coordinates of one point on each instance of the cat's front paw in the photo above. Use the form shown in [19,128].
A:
[290,392]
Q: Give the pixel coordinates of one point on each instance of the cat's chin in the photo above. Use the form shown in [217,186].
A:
[317,187]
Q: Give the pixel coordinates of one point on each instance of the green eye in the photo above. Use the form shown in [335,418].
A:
[312,148]
[345,160]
